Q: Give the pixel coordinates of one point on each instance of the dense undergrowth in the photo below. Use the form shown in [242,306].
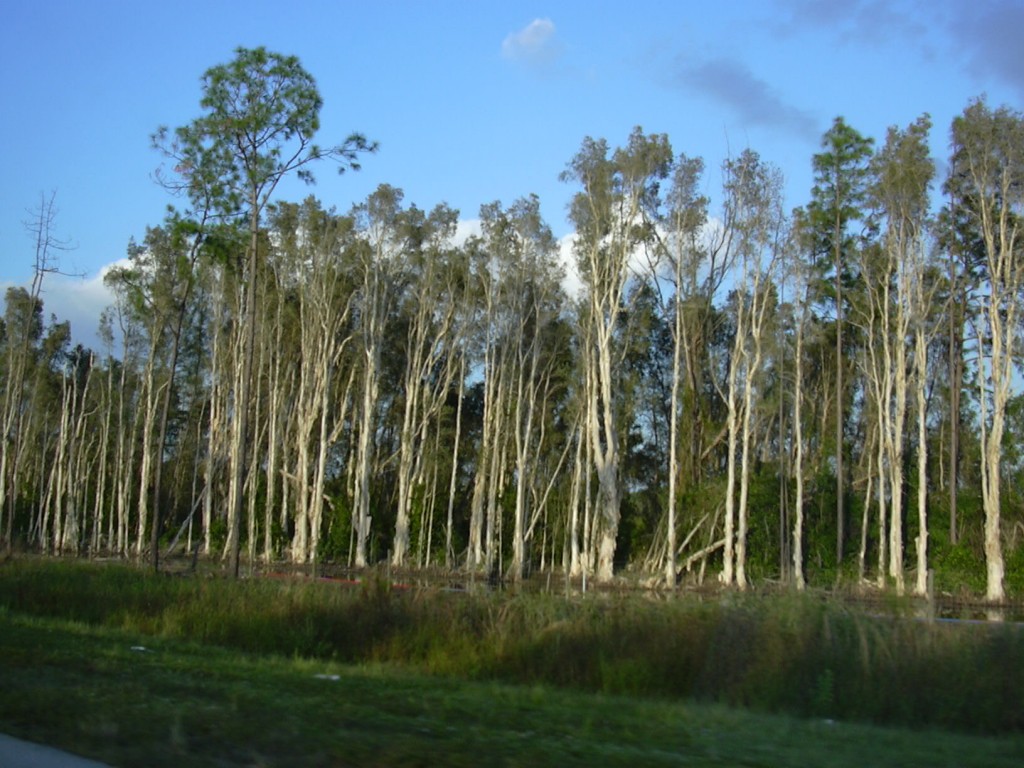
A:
[797,654]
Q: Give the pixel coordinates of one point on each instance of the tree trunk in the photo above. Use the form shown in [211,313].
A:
[239,462]
[921,365]
[453,481]
[798,462]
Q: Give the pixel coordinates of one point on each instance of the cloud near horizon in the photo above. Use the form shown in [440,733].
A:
[754,101]
[76,300]
[535,45]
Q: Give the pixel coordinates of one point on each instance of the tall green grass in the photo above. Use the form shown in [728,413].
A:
[794,654]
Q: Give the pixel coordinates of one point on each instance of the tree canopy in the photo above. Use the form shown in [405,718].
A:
[731,389]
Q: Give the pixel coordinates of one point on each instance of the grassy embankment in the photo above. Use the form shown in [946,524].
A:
[229,676]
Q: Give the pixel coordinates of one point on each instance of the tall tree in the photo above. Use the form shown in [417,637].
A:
[951,236]
[798,271]
[158,282]
[684,221]
[22,329]
[382,225]
[432,309]
[493,333]
[840,184]
[523,252]
[902,172]
[261,113]
[753,202]
[988,149]
[613,215]
[314,243]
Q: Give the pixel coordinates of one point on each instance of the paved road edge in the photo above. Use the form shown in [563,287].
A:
[15,753]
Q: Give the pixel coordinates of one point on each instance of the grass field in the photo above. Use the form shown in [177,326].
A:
[132,681]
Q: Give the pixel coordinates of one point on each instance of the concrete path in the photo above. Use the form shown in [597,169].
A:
[15,753]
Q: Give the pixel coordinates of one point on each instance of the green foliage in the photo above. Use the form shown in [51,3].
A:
[763,526]
[261,113]
[840,187]
[218,534]
[335,546]
[1015,570]
[960,567]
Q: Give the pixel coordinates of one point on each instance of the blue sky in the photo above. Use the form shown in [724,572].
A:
[470,101]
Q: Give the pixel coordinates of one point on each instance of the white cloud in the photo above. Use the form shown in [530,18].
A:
[535,45]
[78,301]
[571,282]
[465,229]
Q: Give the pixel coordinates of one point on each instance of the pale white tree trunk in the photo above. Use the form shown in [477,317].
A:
[365,440]
[13,415]
[531,392]
[728,576]
[489,435]
[898,339]
[523,428]
[449,555]
[887,325]
[256,458]
[407,451]
[865,517]
[433,333]
[100,511]
[148,424]
[920,378]
[59,468]
[533,287]
[798,437]
[575,567]
[605,440]
[238,408]
[78,454]
[686,253]
[902,174]
[753,204]
[752,369]
[376,267]
[671,573]
[998,331]
[125,459]
[277,409]
[877,384]
[126,429]
[51,500]
[323,314]
[16,416]
[495,481]
[922,300]
[589,526]
[362,519]
[618,198]
[215,436]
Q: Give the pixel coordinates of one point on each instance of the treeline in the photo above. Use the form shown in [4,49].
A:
[753,393]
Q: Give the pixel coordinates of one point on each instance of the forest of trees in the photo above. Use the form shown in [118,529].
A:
[735,391]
